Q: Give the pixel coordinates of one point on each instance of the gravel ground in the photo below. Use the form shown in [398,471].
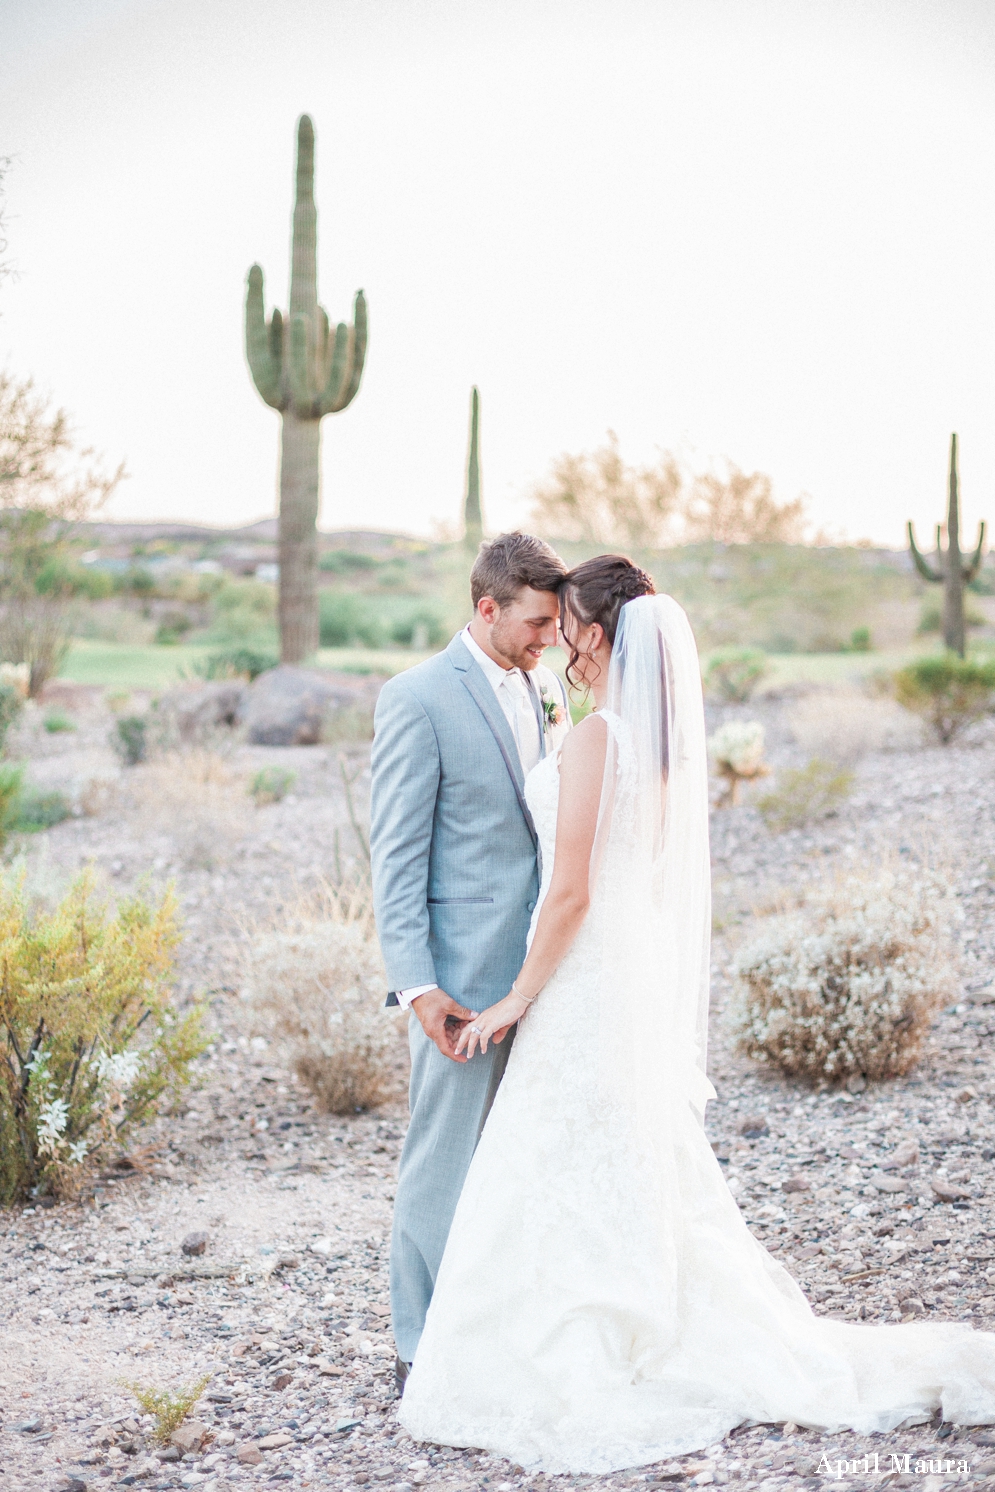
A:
[286,1307]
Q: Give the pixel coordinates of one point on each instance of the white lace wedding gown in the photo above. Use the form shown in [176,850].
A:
[590,1315]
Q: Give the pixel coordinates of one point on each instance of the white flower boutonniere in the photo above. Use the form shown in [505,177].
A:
[553,713]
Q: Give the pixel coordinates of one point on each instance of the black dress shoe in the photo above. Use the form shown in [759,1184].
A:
[401,1371]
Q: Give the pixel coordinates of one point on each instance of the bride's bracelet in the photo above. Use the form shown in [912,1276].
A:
[527,998]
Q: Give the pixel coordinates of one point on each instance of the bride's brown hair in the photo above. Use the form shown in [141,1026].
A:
[596,591]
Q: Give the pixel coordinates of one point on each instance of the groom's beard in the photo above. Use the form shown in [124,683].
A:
[512,650]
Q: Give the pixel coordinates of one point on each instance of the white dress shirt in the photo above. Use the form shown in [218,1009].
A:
[515,698]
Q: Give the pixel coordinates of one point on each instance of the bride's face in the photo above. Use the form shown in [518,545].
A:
[588,641]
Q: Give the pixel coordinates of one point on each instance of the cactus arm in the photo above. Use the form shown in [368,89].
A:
[259,344]
[920,563]
[974,563]
[343,378]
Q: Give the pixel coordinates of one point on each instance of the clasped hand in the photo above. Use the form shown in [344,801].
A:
[492,1024]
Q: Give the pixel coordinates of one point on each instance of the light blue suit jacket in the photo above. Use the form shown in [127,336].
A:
[455,853]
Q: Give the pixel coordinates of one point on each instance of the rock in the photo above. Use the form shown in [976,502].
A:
[198,709]
[288,706]
[287,1261]
[194,1243]
[946,1191]
[282,1380]
[70,1484]
[905,1154]
[856,1083]
[275,1441]
[224,1437]
[328,1369]
[887,1183]
[249,1454]
[966,1095]
[754,1127]
[911,1306]
[796,1184]
[168,1453]
[189,1436]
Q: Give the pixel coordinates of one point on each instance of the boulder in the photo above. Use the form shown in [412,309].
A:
[289,706]
[198,709]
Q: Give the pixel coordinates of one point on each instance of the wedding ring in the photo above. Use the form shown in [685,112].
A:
[476,1031]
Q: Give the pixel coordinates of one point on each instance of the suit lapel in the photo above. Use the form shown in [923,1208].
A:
[537,707]
[484,698]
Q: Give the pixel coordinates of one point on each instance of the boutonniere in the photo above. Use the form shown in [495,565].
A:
[552,711]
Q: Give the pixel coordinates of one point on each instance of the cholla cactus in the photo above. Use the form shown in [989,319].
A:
[737,750]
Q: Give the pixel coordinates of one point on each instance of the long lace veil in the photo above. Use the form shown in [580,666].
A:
[652,846]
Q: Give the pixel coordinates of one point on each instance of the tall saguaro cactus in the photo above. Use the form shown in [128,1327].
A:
[305,371]
[951,571]
[473,518]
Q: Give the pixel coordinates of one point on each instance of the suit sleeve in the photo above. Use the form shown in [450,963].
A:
[405,771]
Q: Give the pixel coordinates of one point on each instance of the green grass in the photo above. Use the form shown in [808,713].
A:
[122,666]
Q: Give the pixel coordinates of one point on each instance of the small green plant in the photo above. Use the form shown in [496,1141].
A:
[130,739]
[168,1409]
[271,784]
[11,704]
[949,692]
[236,663]
[860,640]
[89,1039]
[172,628]
[805,793]
[734,674]
[737,749]
[11,788]
[57,721]
[37,810]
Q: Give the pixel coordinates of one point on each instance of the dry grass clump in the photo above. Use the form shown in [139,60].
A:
[316,986]
[849,981]
[843,725]
[197,799]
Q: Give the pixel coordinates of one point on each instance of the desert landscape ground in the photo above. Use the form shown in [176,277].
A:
[281,1302]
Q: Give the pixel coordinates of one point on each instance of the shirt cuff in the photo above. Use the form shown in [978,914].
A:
[405,996]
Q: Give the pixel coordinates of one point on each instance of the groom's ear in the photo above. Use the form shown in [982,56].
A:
[488,610]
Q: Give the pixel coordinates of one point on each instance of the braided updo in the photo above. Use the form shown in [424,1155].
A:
[597,590]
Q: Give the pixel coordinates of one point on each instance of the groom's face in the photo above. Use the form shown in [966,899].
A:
[522,630]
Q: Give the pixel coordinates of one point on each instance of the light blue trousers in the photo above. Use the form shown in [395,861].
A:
[449,1104]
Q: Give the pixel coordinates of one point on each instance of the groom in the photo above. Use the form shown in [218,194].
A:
[455,878]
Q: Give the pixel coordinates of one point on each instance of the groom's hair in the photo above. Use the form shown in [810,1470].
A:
[509,563]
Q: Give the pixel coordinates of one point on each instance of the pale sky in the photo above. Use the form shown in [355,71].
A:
[755,228]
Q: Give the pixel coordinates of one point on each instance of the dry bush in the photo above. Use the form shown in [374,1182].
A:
[842,725]
[197,799]
[804,794]
[316,987]
[849,981]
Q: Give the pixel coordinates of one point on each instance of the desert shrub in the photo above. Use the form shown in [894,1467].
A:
[317,989]
[271,784]
[421,627]
[130,739]
[344,561]
[11,788]
[949,693]
[57,721]
[345,619]
[849,981]
[39,810]
[173,626]
[167,1408]
[11,702]
[805,793]
[89,1040]
[860,640]
[242,611]
[737,749]
[841,725]
[236,663]
[734,674]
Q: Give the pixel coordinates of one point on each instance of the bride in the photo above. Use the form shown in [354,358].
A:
[601,1303]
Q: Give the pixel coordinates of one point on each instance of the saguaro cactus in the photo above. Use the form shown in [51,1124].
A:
[305,372]
[951,571]
[473,518]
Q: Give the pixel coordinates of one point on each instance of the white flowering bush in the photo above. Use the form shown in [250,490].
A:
[737,750]
[89,1040]
[317,988]
[849,981]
